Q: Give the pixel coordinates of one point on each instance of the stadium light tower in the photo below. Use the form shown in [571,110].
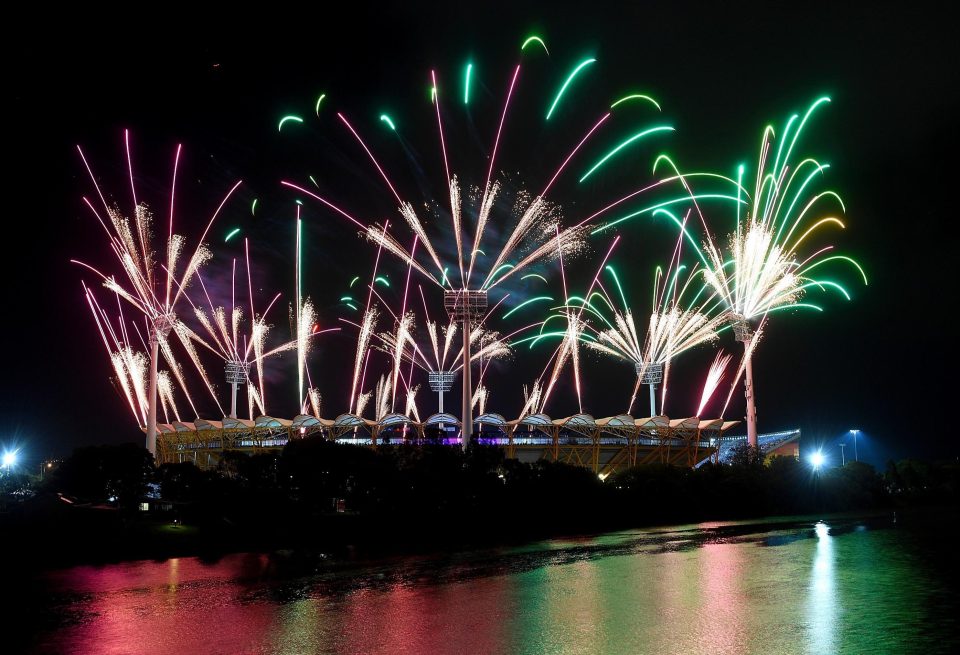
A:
[466,307]
[237,373]
[744,334]
[440,383]
[651,376]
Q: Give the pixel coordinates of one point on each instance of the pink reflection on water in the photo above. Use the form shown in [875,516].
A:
[184,606]
[177,606]
[720,624]
[453,618]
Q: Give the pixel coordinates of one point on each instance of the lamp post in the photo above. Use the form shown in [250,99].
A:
[856,458]
[843,460]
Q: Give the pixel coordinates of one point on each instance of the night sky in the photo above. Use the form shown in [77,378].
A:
[878,363]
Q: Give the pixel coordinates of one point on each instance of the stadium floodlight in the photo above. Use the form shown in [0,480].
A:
[651,375]
[467,307]
[855,434]
[237,373]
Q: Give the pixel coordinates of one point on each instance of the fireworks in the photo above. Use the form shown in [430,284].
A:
[677,323]
[239,353]
[714,376]
[153,288]
[481,232]
[762,271]
[435,355]
[479,259]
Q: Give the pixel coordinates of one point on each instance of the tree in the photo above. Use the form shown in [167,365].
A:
[106,474]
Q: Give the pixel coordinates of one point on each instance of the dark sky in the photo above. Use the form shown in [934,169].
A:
[218,84]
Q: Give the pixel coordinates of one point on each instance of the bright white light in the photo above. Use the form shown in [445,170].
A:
[9,459]
[817,459]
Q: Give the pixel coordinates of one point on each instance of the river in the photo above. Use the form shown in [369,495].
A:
[878,584]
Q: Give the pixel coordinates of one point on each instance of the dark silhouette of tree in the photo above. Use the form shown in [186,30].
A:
[100,473]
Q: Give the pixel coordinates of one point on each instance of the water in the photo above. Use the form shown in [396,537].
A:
[842,585]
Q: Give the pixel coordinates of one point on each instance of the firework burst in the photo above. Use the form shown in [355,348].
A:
[766,266]
[152,287]
[479,259]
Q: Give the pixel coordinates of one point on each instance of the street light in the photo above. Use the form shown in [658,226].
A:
[855,433]
[843,459]
[9,459]
[817,460]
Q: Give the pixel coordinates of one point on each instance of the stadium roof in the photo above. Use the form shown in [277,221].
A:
[303,422]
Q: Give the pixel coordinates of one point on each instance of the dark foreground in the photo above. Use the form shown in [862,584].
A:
[878,584]
[331,499]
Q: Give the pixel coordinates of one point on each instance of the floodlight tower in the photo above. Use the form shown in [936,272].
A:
[651,376]
[744,334]
[466,307]
[440,383]
[238,373]
[160,326]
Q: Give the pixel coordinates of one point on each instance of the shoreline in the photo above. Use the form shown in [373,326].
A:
[187,541]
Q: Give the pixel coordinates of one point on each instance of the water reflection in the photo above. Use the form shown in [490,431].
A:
[720,624]
[788,587]
[821,600]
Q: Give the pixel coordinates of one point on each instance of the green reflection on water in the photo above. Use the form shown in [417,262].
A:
[837,586]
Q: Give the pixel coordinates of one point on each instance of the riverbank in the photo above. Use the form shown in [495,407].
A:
[84,536]
[329,499]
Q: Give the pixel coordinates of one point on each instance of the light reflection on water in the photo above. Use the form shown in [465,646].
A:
[840,586]
[821,596]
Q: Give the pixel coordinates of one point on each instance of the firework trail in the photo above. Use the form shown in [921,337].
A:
[130,366]
[367,328]
[315,401]
[167,402]
[531,398]
[480,397]
[411,406]
[714,377]
[242,352]
[536,232]
[405,345]
[382,398]
[362,400]
[402,346]
[571,336]
[305,328]
[604,322]
[568,350]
